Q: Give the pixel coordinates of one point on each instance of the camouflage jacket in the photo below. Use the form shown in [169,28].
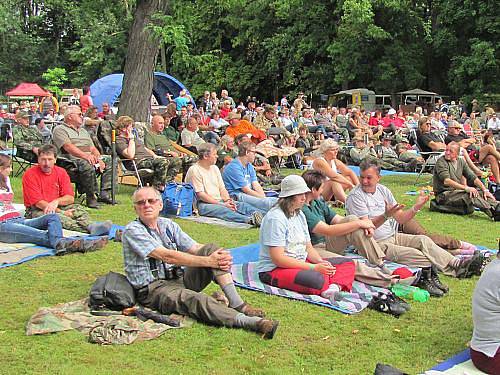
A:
[27,137]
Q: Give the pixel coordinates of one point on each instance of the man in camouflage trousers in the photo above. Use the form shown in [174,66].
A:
[155,140]
[47,189]
[76,145]
[27,139]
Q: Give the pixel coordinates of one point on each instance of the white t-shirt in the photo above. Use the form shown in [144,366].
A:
[190,138]
[360,204]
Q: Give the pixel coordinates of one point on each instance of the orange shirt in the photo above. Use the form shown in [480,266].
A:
[245,127]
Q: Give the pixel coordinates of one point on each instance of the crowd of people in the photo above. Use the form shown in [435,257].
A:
[231,154]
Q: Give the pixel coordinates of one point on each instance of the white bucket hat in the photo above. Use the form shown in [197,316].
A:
[293,185]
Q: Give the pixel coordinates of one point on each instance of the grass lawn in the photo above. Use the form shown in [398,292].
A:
[311,339]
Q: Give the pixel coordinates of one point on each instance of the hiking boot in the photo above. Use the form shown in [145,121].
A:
[68,245]
[426,283]
[256,219]
[435,279]
[267,328]
[385,304]
[472,266]
[93,244]
[221,298]
[105,198]
[251,311]
[92,203]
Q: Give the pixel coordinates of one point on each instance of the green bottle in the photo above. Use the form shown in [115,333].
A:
[408,291]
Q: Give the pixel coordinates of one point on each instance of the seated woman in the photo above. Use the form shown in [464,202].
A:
[45,230]
[287,258]
[342,178]
[485,343]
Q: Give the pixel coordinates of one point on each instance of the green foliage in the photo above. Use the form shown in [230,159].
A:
[55,78]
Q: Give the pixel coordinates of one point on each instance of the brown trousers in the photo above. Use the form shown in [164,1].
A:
[182,296]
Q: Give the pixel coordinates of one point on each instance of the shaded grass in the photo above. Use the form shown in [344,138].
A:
[311,339]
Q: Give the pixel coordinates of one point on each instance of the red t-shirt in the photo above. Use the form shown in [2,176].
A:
[38,186]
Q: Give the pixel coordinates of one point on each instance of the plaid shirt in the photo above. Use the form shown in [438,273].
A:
[139,241]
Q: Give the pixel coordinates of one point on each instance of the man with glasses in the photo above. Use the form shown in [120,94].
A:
[168,271]
[75,144]
[241,180]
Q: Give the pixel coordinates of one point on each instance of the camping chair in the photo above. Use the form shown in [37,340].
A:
[142,175]
[23,157]
[430,159]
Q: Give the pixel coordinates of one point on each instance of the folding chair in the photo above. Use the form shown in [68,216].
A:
[142,175]
[24,158]
[430,159]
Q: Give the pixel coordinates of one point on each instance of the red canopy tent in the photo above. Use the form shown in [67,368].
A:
[27,89]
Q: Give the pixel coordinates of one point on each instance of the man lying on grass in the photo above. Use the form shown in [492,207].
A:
[168,271]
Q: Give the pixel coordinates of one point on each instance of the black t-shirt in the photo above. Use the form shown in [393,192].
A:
[423,141]
[454,138]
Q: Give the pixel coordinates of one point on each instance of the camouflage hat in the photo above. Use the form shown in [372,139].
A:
[22,114]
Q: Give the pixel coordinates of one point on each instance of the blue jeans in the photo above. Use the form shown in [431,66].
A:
[45,230]
[242,214]
[263,204]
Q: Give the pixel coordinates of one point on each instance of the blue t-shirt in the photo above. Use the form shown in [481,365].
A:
[237,176]
[278,230]
[181,102]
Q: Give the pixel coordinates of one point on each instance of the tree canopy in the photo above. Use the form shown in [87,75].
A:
[263,48]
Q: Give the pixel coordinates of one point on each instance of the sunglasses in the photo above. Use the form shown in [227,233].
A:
[149,201]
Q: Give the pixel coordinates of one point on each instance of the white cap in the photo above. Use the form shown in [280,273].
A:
[293,185]
[392,111]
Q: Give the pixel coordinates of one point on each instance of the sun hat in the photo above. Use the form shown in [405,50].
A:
[293,185]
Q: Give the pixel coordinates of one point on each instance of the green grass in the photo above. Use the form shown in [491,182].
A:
[311,339]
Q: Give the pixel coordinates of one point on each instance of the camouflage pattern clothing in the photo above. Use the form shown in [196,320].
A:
[164,169]
[358,155]
[79,222]
[115,329]
[25,138]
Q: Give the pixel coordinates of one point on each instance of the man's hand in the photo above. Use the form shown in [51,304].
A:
[91,159]
[391,210]
[488,195]
[173,154]
[473,193]
[365,223]
[69,213]
[101,165]
[221,259]
[51,207]
[230,204]
[325,268]
[422,199]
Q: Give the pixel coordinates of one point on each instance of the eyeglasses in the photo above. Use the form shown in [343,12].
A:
[149,201]
[428,123]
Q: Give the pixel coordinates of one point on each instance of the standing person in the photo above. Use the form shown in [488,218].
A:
[153,244]
[86,100]
[75,143]
[182,100]
[299,103]
[74,99]
[287,258]
[240,179]
[224,96]
[375,201]
[48,103]
[213,200]
[45,230]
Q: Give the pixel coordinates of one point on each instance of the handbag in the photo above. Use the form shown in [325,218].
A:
[112,291]
[178,199]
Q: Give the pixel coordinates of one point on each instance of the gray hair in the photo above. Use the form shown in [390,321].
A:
[326,145]
[205,149]
[369,163]
[157,193]
[70,110]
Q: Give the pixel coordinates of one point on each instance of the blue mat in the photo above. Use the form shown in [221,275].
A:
[455,360]
[355,169]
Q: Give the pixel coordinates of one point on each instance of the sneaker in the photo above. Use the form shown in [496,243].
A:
[472,266]
[68,245]
[386,304]
[267,328]
[256,219]
[251,311]
[405,305]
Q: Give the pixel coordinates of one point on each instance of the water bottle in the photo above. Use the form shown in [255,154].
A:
[408,291]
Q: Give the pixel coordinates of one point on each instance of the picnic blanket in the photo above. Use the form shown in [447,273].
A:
[216,221]
[246,276]
[114,329]
[459,364]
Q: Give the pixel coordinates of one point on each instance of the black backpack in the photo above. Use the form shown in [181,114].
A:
[112,291]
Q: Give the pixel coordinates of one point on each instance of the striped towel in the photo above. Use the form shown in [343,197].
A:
[246,276]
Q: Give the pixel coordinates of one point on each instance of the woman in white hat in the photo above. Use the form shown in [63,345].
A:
[287,258]
[341,177]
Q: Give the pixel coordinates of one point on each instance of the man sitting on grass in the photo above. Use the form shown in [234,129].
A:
[212,197]
[155,249]
[47,189]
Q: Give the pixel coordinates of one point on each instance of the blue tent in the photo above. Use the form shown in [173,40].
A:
[109,88]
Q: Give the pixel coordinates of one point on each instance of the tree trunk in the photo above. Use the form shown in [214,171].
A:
[140,62]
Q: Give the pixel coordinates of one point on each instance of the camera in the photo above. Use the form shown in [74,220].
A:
[174,272]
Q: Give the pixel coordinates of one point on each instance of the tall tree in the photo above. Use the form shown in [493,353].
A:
[142,52]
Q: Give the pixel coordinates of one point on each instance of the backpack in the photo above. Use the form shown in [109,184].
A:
[112,291]
[178,199]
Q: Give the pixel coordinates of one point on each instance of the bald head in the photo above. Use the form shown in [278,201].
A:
[157,124]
